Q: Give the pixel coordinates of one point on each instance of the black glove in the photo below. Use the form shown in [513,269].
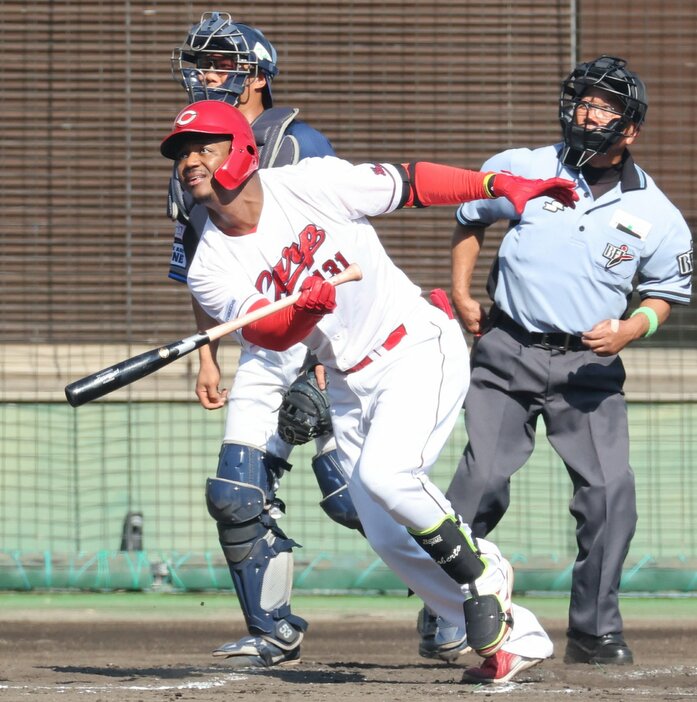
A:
[304,412]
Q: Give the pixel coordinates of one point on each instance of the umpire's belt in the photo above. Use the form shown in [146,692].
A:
[392,340]
[559,341]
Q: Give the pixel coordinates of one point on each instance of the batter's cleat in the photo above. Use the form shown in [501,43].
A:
[488,614]
[257,652]
[499,668]
[438,639]
[609,649]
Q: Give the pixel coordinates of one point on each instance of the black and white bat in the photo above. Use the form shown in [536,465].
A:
[128,371]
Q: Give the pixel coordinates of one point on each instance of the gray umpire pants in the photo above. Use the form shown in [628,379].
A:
[580,398]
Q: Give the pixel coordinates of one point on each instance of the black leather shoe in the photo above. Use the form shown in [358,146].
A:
[610,649]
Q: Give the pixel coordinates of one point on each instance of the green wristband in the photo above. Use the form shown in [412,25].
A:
[651,315]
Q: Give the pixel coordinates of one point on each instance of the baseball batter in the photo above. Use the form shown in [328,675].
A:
[276,231]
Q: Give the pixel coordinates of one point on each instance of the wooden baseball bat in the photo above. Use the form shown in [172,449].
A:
[128,371]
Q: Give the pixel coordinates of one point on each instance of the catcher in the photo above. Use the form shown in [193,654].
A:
[235,63]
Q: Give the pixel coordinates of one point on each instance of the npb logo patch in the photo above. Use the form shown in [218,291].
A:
[616,255]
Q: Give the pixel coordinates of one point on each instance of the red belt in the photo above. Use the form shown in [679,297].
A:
[392,340]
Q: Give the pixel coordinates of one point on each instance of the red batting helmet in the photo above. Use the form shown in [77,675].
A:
[217,117]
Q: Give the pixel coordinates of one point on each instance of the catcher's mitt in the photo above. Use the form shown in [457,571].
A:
[304,412]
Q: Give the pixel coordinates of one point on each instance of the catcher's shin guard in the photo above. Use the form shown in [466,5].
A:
[263,581]
[336,499]
[241,498]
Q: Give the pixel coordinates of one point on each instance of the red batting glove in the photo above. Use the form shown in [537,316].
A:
[317,296]
[519,190]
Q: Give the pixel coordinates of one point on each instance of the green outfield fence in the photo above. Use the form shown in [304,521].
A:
[87,96]
[70,480]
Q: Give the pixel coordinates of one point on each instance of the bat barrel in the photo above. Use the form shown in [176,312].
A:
[114,377]
[105,381]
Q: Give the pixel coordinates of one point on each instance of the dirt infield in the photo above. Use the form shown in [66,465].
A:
[144,660]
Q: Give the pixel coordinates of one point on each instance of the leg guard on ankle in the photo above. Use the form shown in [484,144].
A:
[487,624]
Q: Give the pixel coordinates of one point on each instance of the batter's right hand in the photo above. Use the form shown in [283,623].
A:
[519,190]
[318,296]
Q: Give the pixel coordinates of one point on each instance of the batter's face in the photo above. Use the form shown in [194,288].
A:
[197,160]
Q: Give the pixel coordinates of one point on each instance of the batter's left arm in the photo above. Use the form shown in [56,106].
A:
[428,184]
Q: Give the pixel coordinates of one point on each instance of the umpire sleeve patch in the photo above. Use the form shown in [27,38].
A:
[685,264]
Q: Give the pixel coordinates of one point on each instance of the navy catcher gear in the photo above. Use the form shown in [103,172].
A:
[609,74]
[263,652]
[336,499]
[218,44]
[304,412]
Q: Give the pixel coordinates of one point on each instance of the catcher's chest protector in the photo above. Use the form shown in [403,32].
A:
[276,148]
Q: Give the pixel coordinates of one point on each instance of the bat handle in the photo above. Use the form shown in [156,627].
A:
[353,272]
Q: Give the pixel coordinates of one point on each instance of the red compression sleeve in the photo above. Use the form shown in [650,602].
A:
[280,330]
[435,184]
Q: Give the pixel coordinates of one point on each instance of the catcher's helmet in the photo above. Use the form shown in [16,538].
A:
[216,36]
[609,74]
[218,118]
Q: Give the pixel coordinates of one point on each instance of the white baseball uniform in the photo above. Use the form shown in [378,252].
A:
[262,378]
[392,417]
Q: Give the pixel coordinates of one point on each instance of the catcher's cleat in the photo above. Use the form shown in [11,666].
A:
[438,639]
[499,668]
[257,652]
[488,615]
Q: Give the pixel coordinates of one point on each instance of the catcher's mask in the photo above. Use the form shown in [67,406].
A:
[236,51]
[609,74]
[217,118]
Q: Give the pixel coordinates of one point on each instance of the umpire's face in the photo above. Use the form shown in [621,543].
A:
[197,159]
[597,110]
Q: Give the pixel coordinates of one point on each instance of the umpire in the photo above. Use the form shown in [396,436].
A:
[549,344]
